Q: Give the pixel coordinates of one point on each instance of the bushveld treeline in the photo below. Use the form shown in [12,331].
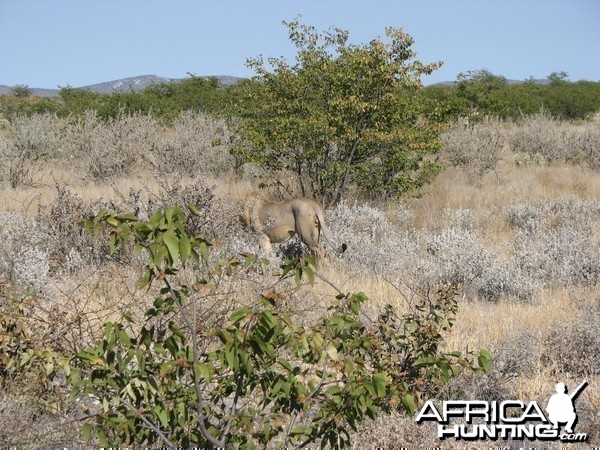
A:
[475,93]
[164,101]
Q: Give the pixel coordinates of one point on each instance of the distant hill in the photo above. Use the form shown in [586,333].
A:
[135,84]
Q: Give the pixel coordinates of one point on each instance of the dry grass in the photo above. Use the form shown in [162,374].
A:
[453,190]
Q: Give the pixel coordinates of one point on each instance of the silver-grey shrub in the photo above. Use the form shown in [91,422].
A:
[373,243]
[557,242]
[573,345]
[24,260]
[26,143]
[542,137]
[536,139]
[456,254]
[196,145]
[476,147]
[539,134]
[588,145]
[504,277]
[98,151]
[531,217]
[61,223]
[463,256]
[37,136]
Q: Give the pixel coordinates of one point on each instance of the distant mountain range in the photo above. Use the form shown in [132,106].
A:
[139,83]
[135,84]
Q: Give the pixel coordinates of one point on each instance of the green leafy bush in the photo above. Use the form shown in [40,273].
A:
[260,377]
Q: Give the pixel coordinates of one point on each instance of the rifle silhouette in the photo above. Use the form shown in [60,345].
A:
[578,390]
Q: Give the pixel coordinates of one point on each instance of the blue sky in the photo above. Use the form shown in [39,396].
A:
[50,43]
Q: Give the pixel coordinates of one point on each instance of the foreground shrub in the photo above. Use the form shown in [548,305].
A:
[260,377]
[33,367]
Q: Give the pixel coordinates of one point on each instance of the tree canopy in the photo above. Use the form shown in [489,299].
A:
[343,115]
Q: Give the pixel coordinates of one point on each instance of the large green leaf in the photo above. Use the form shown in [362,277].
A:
[172,244]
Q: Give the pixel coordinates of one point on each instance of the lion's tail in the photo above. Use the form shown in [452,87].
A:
[324,232]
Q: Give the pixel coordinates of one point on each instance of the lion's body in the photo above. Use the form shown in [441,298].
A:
[278,222]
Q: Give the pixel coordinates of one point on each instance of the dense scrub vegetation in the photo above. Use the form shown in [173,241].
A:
[483,94]
[164,101]
[134,309]
[477,92]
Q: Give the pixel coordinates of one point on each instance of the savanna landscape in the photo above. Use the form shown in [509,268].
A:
[136,310]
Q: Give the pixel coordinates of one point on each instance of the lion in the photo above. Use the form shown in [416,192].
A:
[276,223]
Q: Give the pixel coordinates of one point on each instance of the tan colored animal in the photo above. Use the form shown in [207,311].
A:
[278,222]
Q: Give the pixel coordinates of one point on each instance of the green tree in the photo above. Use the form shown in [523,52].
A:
[21,91]
[343,115]
[77,101]
[557,78]
[485,92]
[167,100]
